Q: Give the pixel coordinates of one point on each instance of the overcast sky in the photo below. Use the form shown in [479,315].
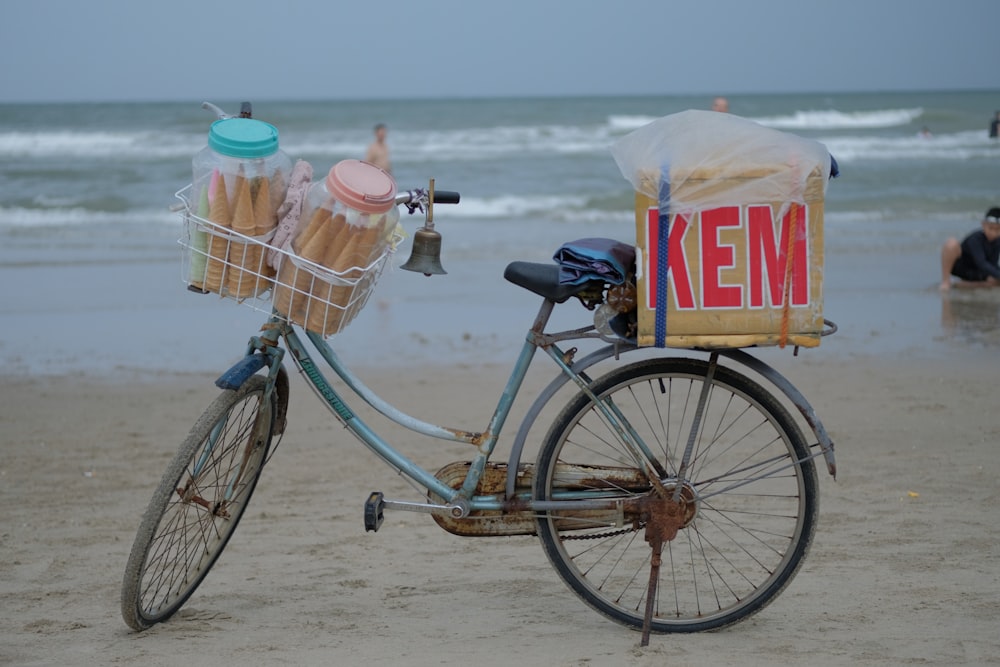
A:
[70,50]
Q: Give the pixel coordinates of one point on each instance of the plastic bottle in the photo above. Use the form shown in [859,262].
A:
[239,179]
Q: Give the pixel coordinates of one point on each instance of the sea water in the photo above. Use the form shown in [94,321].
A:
[90,266]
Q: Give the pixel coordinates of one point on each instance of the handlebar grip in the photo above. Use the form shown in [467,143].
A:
[446,197]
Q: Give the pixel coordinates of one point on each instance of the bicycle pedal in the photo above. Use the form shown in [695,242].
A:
[374,511]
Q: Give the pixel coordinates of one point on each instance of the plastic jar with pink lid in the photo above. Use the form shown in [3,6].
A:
[348,222]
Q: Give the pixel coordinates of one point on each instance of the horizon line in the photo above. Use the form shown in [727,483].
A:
[488,97]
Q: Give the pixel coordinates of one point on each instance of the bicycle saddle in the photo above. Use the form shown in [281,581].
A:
[542,279]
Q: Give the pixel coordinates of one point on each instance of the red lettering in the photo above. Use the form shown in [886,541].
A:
[677,259]
[767,258]
[716,256]
[677,265]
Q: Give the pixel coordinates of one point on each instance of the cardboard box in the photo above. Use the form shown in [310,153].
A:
[732,279]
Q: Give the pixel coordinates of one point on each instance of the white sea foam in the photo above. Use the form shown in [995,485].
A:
[129,145]
[627,123]
[15,216]
[968,145]
[478,143]
[831,119]
[483,143]
[509,206]
[461,144]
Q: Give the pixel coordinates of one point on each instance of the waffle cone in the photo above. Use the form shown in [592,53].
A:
[265,221]
[244,257]
[291,294]
[341,232]
[263,214]
[350,262]
[319,217]
[319,309]
[218,241]
[314,249]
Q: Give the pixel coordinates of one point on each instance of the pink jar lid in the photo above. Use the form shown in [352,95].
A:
[362,186]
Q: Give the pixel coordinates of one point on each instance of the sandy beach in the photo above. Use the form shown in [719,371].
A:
[115,360]
[904,569]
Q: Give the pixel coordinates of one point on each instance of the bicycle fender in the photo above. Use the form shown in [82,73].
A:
[281,411]
[765,370]
[240,372]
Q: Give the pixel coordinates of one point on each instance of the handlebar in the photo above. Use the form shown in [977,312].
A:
[446,197]
[418,197]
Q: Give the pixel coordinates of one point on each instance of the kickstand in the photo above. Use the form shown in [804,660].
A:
[656,544]
[664,517]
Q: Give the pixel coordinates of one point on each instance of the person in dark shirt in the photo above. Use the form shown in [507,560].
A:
[995,125]
[974,260]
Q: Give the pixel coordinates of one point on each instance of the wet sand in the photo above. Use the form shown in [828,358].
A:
[903,570]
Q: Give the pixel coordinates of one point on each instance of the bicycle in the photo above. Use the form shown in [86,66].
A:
[672,494]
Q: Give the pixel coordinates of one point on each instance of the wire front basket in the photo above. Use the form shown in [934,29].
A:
[251,271]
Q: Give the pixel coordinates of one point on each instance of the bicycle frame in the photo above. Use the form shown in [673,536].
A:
[460,502]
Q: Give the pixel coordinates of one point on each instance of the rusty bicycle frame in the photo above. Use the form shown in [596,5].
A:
[459,502]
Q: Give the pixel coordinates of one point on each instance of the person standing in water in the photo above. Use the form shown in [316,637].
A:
[378,150]
[995,125]
[720,104]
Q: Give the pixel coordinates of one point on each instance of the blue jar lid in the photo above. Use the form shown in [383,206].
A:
[243,138]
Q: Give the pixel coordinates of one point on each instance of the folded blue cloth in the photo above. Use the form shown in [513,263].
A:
[594,259]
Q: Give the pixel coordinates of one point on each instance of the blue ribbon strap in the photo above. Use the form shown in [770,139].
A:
[662,263]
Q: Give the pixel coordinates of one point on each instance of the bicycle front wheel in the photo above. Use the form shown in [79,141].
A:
[198,504]
[750,496]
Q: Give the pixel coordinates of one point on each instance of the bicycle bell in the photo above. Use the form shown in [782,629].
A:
[425,255]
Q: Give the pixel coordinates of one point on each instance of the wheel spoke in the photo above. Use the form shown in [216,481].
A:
[197,507]
[747,504]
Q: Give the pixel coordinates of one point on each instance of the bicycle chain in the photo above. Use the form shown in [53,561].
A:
[601,536]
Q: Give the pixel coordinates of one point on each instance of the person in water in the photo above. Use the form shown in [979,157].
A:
[995,126]
[378,150]
[974,260]
[720,104]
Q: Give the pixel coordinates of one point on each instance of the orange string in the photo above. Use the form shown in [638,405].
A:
[789,263]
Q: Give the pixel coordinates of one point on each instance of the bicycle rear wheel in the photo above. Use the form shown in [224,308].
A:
[198,504]
[750,495]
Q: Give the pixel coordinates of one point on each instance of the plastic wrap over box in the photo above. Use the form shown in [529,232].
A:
[729,227]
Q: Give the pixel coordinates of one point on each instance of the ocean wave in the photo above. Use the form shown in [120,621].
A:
[508,206]
[832,119]
[969,145]
[479,143]
[628,123]
[142,145]
[412,146]
[20,217]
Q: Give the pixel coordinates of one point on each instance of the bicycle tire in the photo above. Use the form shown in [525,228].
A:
[189,521]
[741,546]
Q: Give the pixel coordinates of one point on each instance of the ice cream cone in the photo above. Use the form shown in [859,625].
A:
[341,232]
[265,220]
[319,217]
[244,258]
[218,240]
[314,250]
[199,244]
[295,283]
[363,246]
[284,292]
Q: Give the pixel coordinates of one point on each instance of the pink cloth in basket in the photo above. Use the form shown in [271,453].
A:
[290,211]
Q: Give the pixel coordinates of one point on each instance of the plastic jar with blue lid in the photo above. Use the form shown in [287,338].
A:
[239,180]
